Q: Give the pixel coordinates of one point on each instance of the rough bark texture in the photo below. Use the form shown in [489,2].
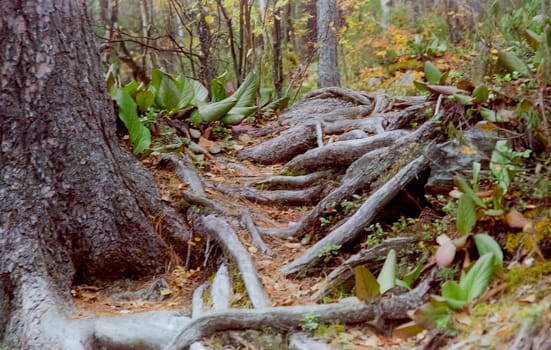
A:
[328,68]
[75,204]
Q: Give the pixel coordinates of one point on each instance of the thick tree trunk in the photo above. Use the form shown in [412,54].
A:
[74,203]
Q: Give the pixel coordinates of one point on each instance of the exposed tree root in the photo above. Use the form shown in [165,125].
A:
[289,317]
[223,233]
[289,143]
[350,229]
[276,197]
[342,153]
[287,182]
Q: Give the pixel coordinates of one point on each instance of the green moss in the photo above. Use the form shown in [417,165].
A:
[528,274]
[291,172]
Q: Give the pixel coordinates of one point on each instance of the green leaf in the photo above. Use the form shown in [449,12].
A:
[492,116]
[232,119]
[421,86]
[411,277]
[279,104]
[195,118]
[481,94]
[462,99]
[455,296]
[216,110]
[500,164]
[512,63]
[140,137]
[466,189]
[478,277]
[533,39]
[246,93]
[432,73]
[218,88]
[168,90]
[476,172]
[434,314]
[144,99]
[387,276]
[466,215]
[409,329]
[487,244]
[131,88]
[366,284]
[111,80]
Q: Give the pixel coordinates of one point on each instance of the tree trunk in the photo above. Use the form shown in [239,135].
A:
[75,204]
[328,68]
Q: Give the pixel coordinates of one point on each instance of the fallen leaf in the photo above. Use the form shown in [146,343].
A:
[516,220]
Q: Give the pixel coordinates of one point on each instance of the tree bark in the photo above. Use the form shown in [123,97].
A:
[75,204]
[328,68]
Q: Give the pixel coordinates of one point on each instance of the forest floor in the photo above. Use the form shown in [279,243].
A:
[498,314]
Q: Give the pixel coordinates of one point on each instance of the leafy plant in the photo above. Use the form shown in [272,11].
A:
[329,252]
[310,323]
[367,286]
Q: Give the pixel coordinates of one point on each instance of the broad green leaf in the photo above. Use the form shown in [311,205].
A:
[195,118]
[512,63]
[140,137]
[111,81]
[432,73]
[465,188]
[246,93]
[168,90]
[476,172]
[412,276]
[218,88]
[499,164]
[200,93]
[455,296]
[387,276]
[443,78]
[481,94]
[409,329]
[278,104]
[214,111]
[144,99]
[366,284]
[492,116]
[187,92]
[478,277]
[131,88]
[533,39]
[434,314]
[466,215]
[487,244]
[232,119]
[421,86]
[462,99]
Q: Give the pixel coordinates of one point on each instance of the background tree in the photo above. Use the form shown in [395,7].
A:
[76,206]
[328,68]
